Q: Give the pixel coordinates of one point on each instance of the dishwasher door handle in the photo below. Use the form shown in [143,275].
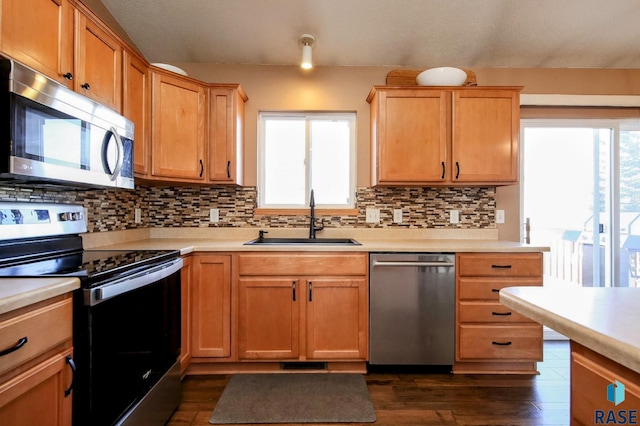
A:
[413,264]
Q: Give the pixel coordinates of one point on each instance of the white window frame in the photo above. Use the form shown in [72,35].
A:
[308,116]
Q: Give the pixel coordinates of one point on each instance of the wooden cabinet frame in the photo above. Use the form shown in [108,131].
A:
[321,306]
[490,338]
[444,136]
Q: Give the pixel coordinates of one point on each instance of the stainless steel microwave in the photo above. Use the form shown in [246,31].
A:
[52,135]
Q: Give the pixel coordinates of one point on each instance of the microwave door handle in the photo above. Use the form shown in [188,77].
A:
[120,151]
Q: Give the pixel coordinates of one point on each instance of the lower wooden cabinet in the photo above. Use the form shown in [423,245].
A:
[211,306]
[597,395]
[319,311]
[490,338]
[36,378]
[38,396]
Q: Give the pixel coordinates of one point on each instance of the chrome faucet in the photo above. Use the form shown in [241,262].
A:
[312,223]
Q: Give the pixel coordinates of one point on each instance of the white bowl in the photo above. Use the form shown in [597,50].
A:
[443,76]
[170,68]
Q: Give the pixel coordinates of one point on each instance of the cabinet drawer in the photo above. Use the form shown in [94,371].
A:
[489,289]
[44,328]
[500,264]
[489,312]
[500,342]
[303,264]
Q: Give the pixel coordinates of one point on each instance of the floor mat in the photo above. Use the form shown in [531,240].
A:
[294,398]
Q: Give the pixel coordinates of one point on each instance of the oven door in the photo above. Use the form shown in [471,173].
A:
[124,344]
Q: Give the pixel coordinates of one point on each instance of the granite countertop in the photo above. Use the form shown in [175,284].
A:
[601,319]
[19,292]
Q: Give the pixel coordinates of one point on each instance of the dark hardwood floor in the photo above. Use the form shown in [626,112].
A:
[434,399]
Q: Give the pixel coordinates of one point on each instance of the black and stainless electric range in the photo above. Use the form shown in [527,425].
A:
[126,313]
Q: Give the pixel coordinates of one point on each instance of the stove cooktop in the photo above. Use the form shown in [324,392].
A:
[92,267]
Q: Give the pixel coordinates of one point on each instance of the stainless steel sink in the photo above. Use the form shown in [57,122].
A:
[304,241]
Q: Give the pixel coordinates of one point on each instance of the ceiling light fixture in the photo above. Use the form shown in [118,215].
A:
[307,41]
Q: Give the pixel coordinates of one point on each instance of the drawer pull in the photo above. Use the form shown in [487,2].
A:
[293,284]
[495,290]
[17,346]
[502,314]
[72,364]
[501,266]
[501,343]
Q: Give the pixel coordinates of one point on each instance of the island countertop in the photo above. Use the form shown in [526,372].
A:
[604,320]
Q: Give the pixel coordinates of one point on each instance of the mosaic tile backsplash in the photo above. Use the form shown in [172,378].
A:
[188,206]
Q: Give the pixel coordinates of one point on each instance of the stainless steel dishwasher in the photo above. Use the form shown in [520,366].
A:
[411,309]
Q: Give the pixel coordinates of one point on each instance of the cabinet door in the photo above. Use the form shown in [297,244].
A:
[268,318]
[411,142]
[211,304]
[39,33]
[486,126]
[226,122]
[37,396]
[98,63]
[337,318]
[136,94]
[178,128]
[186,296]
[591,377]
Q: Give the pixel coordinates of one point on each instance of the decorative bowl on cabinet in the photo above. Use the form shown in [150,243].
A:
[442,76]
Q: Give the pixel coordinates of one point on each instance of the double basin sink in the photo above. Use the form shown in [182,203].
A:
[304,241]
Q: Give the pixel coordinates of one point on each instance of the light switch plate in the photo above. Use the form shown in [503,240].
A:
[214,215]
[137,213]
[499,216]
[397,215]
[373,215]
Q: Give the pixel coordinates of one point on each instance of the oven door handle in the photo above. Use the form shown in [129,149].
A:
[97,295]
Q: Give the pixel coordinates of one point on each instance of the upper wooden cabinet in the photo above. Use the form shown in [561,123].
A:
[178,128]
[68,44]
[136,106]
[39,33]
[486,129]
[226,137]
[197,130]
[431,136]
[98,63]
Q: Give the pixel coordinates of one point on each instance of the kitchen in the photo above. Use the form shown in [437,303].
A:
[327,88]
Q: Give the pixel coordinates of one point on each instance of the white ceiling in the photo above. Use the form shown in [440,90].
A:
[404,33]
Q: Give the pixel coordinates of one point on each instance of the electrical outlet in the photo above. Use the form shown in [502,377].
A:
[454,216]
[373,215]
[499,216]
[137,213]
[214,215]
[397,215]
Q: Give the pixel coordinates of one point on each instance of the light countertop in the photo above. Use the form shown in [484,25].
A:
[604,320]
[19,292]
[189,240]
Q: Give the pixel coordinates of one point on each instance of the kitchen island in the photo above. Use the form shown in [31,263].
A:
[602,324]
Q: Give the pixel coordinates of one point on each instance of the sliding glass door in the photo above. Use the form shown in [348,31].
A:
[581,197]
